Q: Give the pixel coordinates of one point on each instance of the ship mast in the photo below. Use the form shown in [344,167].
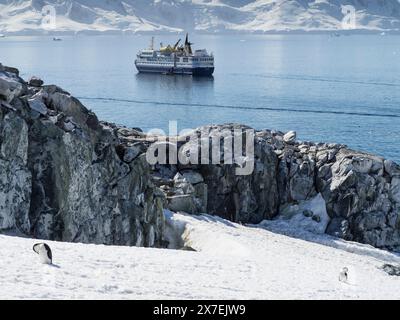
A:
[188,45]
[152,43]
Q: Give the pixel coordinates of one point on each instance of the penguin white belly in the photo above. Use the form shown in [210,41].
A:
[343,277]
[44,252]
[44,258]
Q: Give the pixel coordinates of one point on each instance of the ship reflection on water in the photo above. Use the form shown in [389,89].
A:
[177,86]
[173,97]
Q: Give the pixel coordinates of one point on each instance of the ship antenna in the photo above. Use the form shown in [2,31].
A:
[152,43]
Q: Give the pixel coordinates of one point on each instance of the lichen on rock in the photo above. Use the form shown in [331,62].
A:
[67,176]
[361,191]
[61,177]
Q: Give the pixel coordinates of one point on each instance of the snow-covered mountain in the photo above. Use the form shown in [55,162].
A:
[231,261]
[26,16]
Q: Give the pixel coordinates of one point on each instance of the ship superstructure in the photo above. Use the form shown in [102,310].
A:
[177,59]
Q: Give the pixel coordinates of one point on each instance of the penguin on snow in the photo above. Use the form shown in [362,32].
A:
[344,275]
[44,252]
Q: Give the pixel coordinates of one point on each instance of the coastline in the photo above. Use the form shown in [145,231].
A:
[99,164]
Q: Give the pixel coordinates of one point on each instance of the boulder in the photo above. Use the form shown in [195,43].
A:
[132,152]
[68,126]
[391,168]
[362,164]
[182,203]
[192,177]
[290,137]
[10,87]
[35,82]
[38,106]
[339,227]
[391,270]
[12,70]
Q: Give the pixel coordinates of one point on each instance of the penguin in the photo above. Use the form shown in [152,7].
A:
[44,252]
[343,276]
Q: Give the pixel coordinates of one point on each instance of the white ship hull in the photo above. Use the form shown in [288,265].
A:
[193,71]
[175,60]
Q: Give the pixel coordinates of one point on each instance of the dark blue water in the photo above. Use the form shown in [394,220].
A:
[336,89]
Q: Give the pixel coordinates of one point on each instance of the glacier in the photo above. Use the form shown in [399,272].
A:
[202,16]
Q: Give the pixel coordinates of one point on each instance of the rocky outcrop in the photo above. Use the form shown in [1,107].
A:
[361,191]
[67,176]
[62,176]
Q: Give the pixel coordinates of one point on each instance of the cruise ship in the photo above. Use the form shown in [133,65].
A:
[177,59]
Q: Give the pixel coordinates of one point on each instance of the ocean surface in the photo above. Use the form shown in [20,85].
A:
[329,89]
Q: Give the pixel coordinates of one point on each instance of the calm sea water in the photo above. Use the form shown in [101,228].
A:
[332,89]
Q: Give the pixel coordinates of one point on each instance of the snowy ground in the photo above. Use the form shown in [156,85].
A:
[231,262]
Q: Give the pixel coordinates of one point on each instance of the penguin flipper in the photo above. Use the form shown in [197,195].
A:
[35,246]
[49,253]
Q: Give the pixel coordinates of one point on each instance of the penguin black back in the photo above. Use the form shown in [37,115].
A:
[344,274]
[44,251]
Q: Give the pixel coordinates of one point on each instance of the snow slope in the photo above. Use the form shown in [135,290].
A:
[25,16]
[232,262]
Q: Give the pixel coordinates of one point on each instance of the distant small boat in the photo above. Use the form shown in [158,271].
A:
[2,35]
[57,39]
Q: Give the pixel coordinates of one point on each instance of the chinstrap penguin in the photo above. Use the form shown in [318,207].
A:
[44,252]
[344,274]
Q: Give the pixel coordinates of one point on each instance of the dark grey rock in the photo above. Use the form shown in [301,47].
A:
[90,182]
[61,177]
[361,191]
[339,227]
[182,203]
[35,82]
[395,189]
[12,70]
[316,218]
[392,168]
[10,87]
[15,178]
[68,126]
[132,152]
[391,270]
[308,213]
[38,106]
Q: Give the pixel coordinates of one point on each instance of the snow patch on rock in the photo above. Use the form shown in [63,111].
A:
[309,215]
